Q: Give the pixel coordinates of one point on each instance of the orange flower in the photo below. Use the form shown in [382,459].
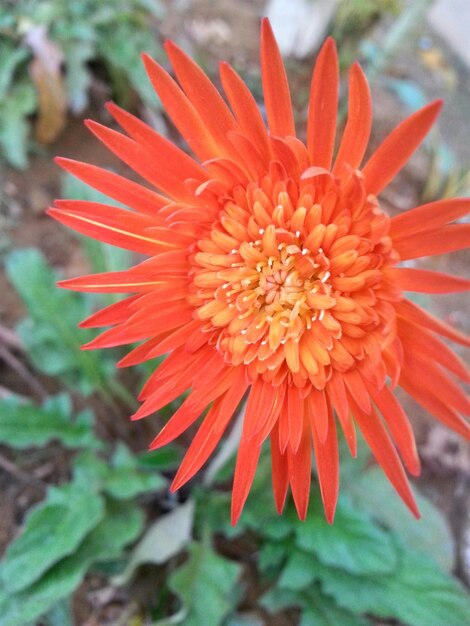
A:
[273,272]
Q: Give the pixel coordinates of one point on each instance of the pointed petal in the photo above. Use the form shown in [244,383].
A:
[295,415]
[116,187]
[410,311]
[338,398]
[245,108]
[357,132]
[164,150]
[138,158]
[202,94]
[183,114]
[318,413]
[109,224]
[245,469]
[441,241]
[427,281]
[399,426]
[398,147]
[280,476]
[428,217]
[275,85]
[327,459]
[112,314]
[435,406]
[384,451]
[299,465]
[323,106]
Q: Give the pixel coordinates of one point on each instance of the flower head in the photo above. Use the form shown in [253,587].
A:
[274,272]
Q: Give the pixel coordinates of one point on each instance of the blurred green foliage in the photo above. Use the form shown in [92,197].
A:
[105,38]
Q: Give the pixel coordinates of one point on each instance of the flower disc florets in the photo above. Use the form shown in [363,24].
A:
[290,279]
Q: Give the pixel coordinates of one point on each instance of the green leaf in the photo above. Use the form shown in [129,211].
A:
[127,479]
[354,542]
[416,593]
[430,535]
[299,572]
[23,425]
[320,610]
[122,478]
[120,526]
[163,459]
[14,127]
[205,584]
[165,538]
[50,334]
[53,529]
[78,77]
[11,57]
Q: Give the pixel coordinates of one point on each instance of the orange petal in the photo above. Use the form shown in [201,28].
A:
[384,451]
[357,132]
[416,314]
[428,217]
[435,406]
[295,415]
[275,85]
[399,426]
[245,469]
[427,346]
[398,147]
[245,108]
[426,281]
[338,398]
[300,472]
[323,106]
[117,187]
[280,476]
[441,241]
[112,314]
[327,459]
[138,158]
[164,150]
[183,114]
[118,227]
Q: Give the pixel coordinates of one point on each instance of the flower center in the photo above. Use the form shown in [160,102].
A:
[289,283]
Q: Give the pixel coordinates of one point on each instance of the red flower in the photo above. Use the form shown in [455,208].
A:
[274,271]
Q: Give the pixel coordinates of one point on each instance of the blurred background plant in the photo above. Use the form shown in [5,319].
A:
[52,50]
[90,533]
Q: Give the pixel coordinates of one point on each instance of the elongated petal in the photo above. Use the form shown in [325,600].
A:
[164,150]
[280,474]
[245,108]
[116,187]
[323,106]
[357,132]
[327,459]
[399,426]
[109,224]
[441,241]
[398,147]
[183,114]
[299,465]
[445,414]
[428,217]
[384,451]
[275,85]
[427,281]
[411,311]
[203,95]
